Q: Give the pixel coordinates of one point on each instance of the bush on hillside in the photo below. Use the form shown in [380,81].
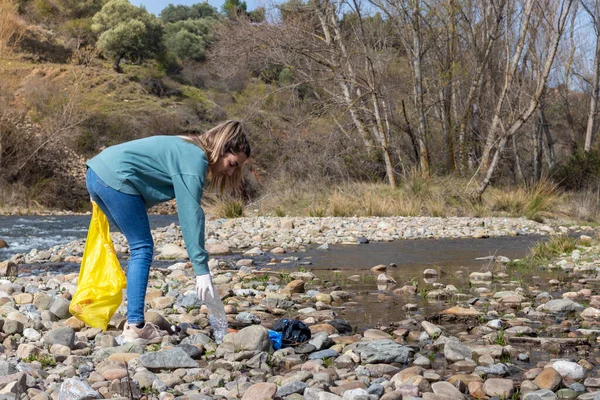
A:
[580,171]
[127,31]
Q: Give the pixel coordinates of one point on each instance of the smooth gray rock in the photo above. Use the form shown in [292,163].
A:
[383,351]
[198,338]
[60,308]
[254,338]
[560,305]
[247,318]
[356,394]
[495,369]
[543,394]
[323,354]
[64,336]
[74,389]
[292,387]
[168,359]
[456,351]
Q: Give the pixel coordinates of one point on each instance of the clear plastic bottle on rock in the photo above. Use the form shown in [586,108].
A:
[217,318]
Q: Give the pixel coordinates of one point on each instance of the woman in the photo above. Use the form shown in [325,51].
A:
[126,179]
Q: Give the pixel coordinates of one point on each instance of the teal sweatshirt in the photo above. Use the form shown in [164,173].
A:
[161,168]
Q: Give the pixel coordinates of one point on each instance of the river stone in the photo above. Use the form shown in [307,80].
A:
[12,326]
[7,368]
[253,338]
[447,389]
[376,334]
[3,244]
[341,325]
[198,338]
[569,369]
[329,353]
[168,359]
[247,318]
[74,389]
[305,276]
[217,249]
[461,311]
[171,251]
[295,286]
[376,389]
[8,268]
[383,351]
[356,394]
[549,378]
[291,387]
[494,369]
[567,394]
[260,391]
[502,388]
[64,336]
[543,394]
[379,370]
[312,393]
[456,351]
[560,305]
[435,396]
[590,313]
[432,330]
[481,276]
[60,308]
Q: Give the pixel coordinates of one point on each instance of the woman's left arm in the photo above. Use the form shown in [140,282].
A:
[188,192]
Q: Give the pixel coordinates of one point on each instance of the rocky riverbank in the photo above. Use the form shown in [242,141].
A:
[224,236]
[496,337]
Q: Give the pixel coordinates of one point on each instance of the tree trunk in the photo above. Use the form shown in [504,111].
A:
[117,64]
[418,90]
[536,137]
[591,123]
[519,174]
[551,157]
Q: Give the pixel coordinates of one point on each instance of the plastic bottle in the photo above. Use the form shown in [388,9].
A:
[217,318]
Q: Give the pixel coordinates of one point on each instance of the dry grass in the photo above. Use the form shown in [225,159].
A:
[536,202]
[420,195]
[12,27]
[584,205]
[223,207]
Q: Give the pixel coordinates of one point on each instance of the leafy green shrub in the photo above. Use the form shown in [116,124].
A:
[127,31]
[581,170]
[189,38]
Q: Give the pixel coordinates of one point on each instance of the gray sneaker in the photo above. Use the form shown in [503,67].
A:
[149,334]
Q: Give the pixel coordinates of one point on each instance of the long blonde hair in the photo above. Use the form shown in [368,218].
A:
[227,137]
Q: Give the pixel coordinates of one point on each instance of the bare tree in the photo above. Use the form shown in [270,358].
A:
[592,8]
[406,17]
[340,61]
[502,129]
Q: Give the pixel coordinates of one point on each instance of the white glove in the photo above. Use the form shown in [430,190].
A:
[205,288]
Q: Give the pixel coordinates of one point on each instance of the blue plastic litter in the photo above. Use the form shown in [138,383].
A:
[276,339]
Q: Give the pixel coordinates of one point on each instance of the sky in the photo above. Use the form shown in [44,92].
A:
[156,6]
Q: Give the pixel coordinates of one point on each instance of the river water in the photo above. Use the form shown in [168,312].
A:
[24,233]
[375,303]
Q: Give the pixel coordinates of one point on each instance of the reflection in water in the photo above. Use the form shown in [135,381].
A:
[382,301]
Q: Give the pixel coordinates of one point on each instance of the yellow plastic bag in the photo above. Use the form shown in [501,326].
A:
[101,279]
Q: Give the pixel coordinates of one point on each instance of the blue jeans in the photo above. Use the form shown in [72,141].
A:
[127,213]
